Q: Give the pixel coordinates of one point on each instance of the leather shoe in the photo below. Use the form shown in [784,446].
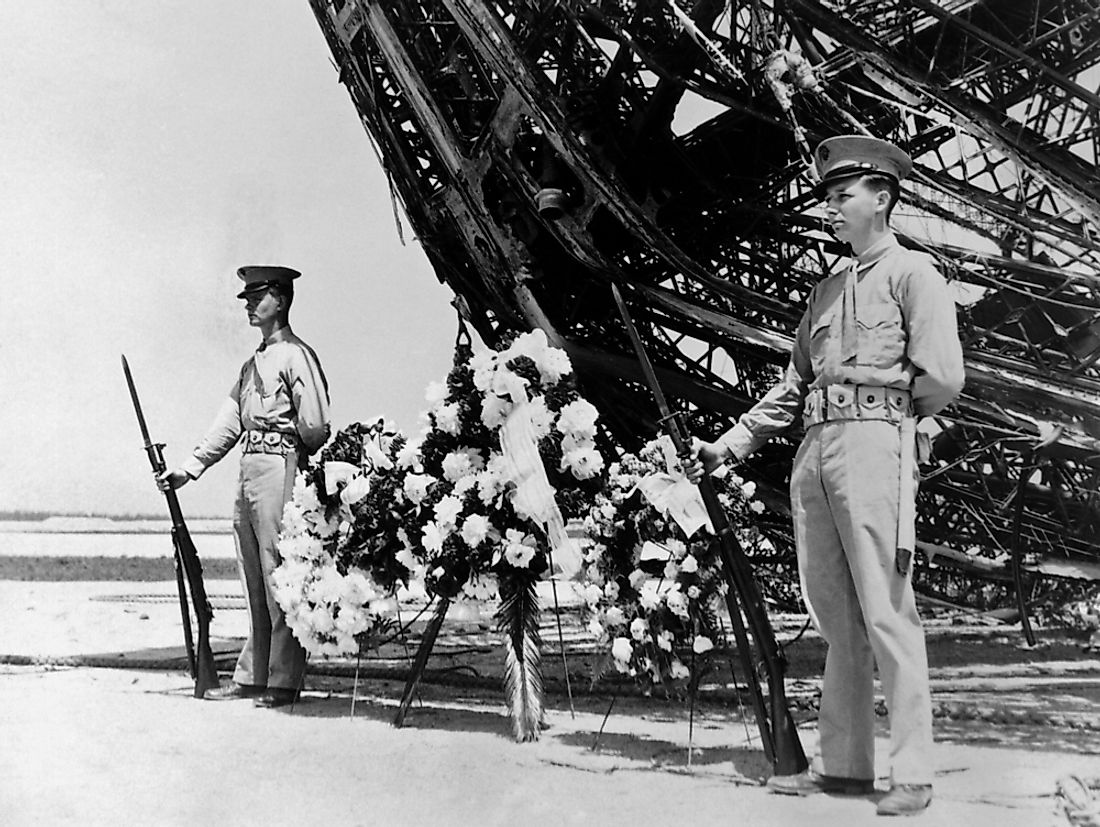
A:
[233,692]
[275,697]
[905,800]
[810,782]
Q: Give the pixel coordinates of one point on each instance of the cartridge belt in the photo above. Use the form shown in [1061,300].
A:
[268,442]
[856,402]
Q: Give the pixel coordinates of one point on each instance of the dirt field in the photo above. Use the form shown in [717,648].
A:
[126,745]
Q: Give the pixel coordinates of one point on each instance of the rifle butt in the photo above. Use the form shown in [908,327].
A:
[206,671]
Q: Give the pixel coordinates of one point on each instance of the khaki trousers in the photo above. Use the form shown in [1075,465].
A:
[844,497]
[272,656]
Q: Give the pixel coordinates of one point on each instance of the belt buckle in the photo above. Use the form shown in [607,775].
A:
[813,410]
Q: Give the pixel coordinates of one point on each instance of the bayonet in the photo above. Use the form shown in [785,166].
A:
[200,659]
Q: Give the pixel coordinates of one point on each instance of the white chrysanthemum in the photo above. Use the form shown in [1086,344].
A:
[456,465]
[432,537]
[677,603]
[494,410]
[636,578]
[475,529]
[583,463]
[578,418]
[689,564]
[664,640]
[447,511]
[677,671]
[464,484]
[553,365]
[756,507]
[409,455]
[701,644]
[406,558]
[614,616]
[416,487]
[693,592]
[592,594]
[596,629]
[447,419]
[490,483]
[483,365]
[611,590]
[638,628]
[748,489]
[622,650]
[671,570]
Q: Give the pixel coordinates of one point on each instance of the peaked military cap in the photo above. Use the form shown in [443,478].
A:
[847,155]
[257,277]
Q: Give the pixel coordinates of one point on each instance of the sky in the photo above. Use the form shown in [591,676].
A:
[148,150]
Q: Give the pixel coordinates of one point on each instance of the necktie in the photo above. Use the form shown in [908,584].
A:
[849,335]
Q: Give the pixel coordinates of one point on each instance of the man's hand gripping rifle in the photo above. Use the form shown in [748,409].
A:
[188,565]
[777,728]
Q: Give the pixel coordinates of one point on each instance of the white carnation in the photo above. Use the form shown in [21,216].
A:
[494,410]
[701,644]
[432,537]
[447,511]
[621,650]
[553,365]
[578,418]
[446,418]
[475,529]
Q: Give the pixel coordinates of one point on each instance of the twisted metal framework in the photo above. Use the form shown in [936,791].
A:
[542,149]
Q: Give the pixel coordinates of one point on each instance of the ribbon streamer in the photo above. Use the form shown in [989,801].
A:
[674,495]
[533,496]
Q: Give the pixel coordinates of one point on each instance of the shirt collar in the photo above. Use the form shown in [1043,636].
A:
[280,335]
[877,251]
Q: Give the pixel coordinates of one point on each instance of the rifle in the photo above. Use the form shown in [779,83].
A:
[777,729]
[201,663]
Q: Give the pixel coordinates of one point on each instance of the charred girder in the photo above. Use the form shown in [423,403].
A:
[543,149]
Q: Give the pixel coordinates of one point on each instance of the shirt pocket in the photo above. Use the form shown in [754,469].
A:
[819,338]
[881,336]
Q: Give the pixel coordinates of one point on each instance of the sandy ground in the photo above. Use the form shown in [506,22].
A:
[95,746]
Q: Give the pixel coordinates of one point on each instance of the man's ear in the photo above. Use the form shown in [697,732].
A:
[882,199]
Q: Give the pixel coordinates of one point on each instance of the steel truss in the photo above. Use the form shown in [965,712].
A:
[542,149]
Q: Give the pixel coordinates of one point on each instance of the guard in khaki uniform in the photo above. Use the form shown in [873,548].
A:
[877,347]
[278,409]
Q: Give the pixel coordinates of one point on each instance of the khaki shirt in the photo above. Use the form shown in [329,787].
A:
[280,388]
[907,339]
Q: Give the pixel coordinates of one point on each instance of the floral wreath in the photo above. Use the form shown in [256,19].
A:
[341,557]
[470,523]
[652,567]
